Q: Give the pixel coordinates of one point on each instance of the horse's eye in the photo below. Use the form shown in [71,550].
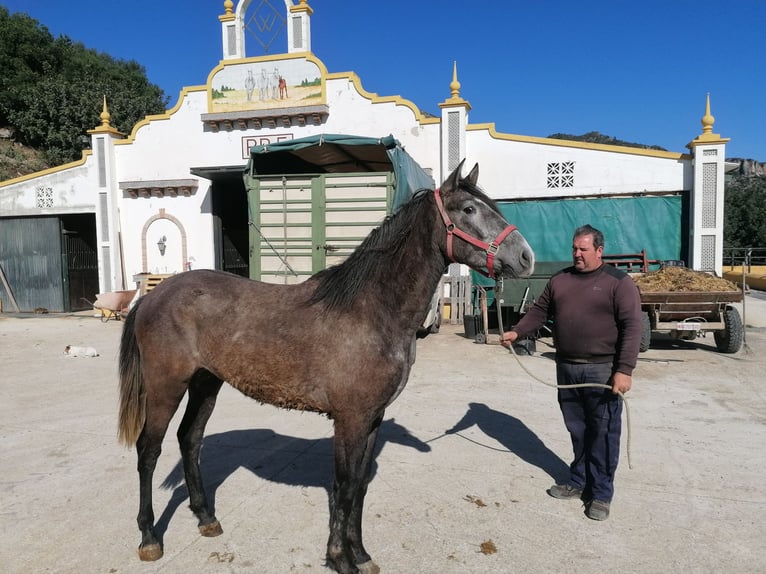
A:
[469,209]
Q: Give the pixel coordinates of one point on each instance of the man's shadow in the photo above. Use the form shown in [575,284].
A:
[275,457]
[515,436]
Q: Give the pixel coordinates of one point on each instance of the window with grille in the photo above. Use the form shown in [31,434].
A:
[43,196]
[561,174]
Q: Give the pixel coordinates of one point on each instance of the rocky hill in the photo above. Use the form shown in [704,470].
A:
[17,160]
[748,167]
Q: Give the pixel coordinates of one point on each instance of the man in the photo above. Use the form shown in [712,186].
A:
[596,313]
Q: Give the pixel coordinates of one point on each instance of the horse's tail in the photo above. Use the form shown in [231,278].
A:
[132,396]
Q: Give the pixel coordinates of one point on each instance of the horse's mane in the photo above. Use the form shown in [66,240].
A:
[339,285]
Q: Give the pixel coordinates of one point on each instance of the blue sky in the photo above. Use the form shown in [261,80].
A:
[635,70]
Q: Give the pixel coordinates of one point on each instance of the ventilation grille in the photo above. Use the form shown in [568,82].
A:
[231,40]
[101,162]
[561,174]
[709,194]
[453,139]
[106,265]
[43,196]
[707,253]
[297,32]
[103,211]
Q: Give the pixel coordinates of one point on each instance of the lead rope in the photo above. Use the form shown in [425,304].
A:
[579,386]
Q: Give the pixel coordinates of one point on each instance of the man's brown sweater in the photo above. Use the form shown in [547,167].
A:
[596,317]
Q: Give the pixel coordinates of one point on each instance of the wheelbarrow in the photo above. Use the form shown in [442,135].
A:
[114,304]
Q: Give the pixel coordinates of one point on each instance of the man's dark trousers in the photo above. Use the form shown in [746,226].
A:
[593,418]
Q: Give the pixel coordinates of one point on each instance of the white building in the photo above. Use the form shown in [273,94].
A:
[130,207]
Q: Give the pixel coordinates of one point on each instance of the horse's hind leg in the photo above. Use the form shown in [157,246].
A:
[149,447]
[203,390]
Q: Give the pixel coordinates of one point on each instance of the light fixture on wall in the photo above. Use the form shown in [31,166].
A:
[161,245]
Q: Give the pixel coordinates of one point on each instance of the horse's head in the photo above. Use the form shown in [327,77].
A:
[476,232]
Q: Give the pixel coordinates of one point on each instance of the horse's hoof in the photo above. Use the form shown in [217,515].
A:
[211,530]
[150,552]
[368,567]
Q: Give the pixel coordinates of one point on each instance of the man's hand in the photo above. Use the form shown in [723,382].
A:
[621,383]
[508,338]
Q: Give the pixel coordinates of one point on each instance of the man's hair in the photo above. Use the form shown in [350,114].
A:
[598,237]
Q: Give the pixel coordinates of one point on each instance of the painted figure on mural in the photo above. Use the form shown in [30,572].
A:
[282,88]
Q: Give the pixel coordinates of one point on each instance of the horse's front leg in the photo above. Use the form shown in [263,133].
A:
[203,391]
[353,455]
[354,529]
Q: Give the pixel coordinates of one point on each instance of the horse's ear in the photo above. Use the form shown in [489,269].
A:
[453,180]
[473,177]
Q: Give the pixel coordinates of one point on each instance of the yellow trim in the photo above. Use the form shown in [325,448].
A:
[376,99]
[490,127]
[160,117]
[77,163]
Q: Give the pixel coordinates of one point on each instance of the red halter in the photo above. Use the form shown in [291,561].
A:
[490,249]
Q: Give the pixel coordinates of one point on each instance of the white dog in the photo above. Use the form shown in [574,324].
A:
[80,351]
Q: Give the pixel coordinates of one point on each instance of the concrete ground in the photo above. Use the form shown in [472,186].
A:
[469,501]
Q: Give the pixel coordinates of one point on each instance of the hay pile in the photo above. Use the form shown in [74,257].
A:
[681,279]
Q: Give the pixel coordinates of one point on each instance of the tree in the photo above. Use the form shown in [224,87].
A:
[745,212]
[53,89]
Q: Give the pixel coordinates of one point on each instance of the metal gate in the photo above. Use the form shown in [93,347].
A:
[31,259]
[302,224]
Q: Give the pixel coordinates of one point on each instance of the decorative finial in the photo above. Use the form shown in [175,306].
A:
[228,7]
[105,116]
[707,136]
[707,119]
[454,84]
[454,87]
[302,6]
[106,126]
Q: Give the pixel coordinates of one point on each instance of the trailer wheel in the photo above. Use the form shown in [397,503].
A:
[730,339]
[646,332]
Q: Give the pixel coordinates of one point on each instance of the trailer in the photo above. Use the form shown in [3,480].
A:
[683,315]
[687,315]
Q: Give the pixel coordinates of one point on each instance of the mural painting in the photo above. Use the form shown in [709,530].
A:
[263,85]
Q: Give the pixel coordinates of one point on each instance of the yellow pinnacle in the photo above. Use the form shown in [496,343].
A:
[454,84]
[105,116]
[707,136]
[228,9]
[454,87]
[707,119]
[302,6]
[106,126]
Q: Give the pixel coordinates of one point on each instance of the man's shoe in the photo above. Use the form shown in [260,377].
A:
[564,491]
[597,510]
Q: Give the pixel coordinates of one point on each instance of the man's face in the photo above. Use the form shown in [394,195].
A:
[584,256]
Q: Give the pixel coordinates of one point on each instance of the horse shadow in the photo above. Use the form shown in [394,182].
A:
[275,457]
[515,436]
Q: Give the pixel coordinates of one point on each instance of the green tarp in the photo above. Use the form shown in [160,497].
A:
[629,224]
[331,153]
